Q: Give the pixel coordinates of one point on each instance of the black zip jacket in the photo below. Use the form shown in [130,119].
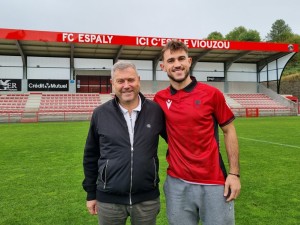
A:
[115,171]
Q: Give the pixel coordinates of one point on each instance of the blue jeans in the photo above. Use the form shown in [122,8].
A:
[187,204]
[143,213]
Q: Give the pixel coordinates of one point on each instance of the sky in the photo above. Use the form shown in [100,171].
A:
[194,19]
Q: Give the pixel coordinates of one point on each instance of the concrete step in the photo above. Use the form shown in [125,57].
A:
[33,102]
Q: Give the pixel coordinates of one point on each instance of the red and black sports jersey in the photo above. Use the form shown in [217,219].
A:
[193,115]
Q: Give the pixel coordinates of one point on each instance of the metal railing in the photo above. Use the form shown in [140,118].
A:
[22,116]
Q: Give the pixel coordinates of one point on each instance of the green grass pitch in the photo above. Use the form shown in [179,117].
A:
[41,173]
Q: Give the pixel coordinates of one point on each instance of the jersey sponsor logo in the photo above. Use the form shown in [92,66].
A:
[169,102]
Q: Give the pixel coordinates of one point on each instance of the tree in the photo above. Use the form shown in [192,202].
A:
[234,35]
[215,36]
[250,35]
[293,66]
[280,32]
[242,34]
[295,38]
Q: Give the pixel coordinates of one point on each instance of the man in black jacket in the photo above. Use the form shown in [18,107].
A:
[120,156]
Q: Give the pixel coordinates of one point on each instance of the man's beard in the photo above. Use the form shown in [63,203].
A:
[181,79]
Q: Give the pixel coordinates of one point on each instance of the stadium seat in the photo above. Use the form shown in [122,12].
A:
[81,102]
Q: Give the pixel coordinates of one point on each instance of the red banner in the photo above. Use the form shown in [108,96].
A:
[69,37]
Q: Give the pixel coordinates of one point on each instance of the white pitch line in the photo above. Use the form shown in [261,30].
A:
[269,142]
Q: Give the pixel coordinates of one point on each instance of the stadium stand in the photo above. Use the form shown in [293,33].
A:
[57,75]
[69,102]
[12,107]
[256,104]
[34,107]
[255,101]
[13,102]
[67,106]
[58,106]
[149,96]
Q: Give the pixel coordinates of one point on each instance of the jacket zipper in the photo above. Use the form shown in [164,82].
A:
[131,154]
[132,149]
[131,161]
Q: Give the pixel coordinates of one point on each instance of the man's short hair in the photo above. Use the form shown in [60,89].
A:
[122,65]
[174,45]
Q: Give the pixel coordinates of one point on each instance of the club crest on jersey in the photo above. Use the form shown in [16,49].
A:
[169,102]
[197,103]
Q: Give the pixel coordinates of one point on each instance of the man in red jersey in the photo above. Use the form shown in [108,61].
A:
[197,187]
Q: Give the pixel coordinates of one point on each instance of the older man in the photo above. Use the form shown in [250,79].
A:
[120,157]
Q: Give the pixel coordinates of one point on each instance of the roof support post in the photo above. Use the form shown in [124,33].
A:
[257,78]
[277,76]
[267,75]
[24,61]
[72,70]
[226,88]
[118,54]
[155,63]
